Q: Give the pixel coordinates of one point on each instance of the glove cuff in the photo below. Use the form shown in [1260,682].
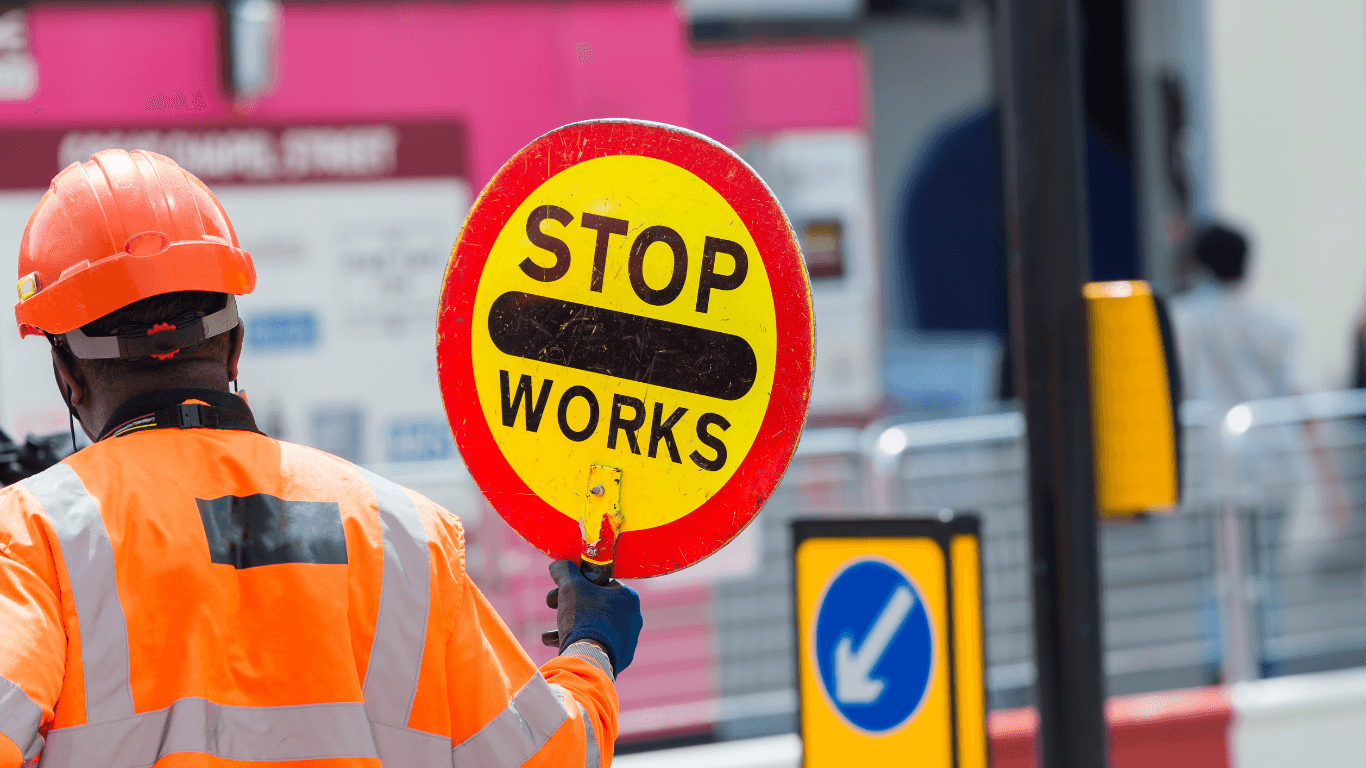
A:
[592,633]
[582,649]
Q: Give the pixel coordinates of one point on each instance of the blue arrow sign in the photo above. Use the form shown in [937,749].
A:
[874,645]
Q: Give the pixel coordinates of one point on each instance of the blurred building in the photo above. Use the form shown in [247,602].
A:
[348,141]
[874,120]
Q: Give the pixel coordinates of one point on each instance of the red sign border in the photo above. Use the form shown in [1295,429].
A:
[670,547]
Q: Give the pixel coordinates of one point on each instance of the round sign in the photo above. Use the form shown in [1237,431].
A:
[874,645]
[628,295]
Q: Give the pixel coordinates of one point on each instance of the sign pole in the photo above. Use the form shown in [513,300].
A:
[1038,60]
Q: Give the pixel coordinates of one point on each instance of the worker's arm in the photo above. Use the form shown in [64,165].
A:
[33,641]
[580,672]
[598,627]
[505,712]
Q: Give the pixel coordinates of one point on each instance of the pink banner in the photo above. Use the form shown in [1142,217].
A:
[508,72]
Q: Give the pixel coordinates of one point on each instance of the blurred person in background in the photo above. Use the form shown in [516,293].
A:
[188,590]
[1237,347]
[1234,346]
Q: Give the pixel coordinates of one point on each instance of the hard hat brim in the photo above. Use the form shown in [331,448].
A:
[90,290]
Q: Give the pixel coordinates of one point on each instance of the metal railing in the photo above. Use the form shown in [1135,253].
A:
[1291,503]
[1259,572]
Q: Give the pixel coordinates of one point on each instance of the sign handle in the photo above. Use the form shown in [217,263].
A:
[601,513]
[600,524]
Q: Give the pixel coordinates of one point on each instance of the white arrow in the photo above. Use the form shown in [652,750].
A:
[852,683]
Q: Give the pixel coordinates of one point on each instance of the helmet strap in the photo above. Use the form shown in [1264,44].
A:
[161,341]
[71,415]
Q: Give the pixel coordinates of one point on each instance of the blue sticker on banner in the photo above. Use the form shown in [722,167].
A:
[874,645]
[278,331]
[419,439]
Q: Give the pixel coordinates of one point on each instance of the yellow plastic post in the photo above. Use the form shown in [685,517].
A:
[1133,427]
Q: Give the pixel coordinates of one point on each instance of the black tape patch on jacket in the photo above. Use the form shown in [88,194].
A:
[260,529]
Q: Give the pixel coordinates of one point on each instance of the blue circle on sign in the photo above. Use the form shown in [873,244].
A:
[874,645]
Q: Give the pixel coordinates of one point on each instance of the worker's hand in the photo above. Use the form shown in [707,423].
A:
[609,615]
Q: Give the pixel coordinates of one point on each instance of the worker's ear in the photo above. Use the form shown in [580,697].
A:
[70,378]
[234,349]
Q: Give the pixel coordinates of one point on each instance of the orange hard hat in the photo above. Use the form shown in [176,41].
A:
[122,227]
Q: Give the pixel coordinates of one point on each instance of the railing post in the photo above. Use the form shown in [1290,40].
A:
[886,447]
[1237,641]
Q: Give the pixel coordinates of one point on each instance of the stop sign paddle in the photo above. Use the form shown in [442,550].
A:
[625,345]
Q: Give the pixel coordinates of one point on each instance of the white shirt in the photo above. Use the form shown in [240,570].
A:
[1235,347]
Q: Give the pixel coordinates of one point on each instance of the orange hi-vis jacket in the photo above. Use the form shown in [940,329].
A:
[214,597]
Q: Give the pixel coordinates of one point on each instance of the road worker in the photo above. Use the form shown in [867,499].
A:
[188,591]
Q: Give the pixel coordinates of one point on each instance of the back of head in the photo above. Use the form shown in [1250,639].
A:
[130,267]
[199,365]
[1223,251]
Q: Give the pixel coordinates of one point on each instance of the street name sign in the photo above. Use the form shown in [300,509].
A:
[889,632]
[625,344]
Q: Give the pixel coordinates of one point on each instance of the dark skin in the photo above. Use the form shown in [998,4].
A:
[95,391]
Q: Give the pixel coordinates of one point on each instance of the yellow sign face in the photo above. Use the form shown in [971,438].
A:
[875,682]
[666,351]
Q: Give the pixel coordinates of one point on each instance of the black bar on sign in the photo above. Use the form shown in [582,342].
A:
[620,344]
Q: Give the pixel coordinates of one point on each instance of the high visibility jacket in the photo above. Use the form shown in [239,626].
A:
[210,597]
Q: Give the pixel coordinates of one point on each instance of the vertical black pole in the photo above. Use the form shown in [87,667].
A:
[1038,60]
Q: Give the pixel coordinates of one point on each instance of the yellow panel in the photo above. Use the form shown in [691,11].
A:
[1131,408]
[828,739]
[968,661]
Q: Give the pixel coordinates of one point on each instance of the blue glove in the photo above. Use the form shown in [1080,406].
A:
[585,611]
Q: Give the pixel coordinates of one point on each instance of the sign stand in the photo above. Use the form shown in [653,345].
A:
[890,660]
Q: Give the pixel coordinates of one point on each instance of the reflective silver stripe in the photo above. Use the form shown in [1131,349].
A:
[90,566]
[401,623]
[591,758]
[308,732]
[512,737]
[410,747]
[592,654]
[20,718]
